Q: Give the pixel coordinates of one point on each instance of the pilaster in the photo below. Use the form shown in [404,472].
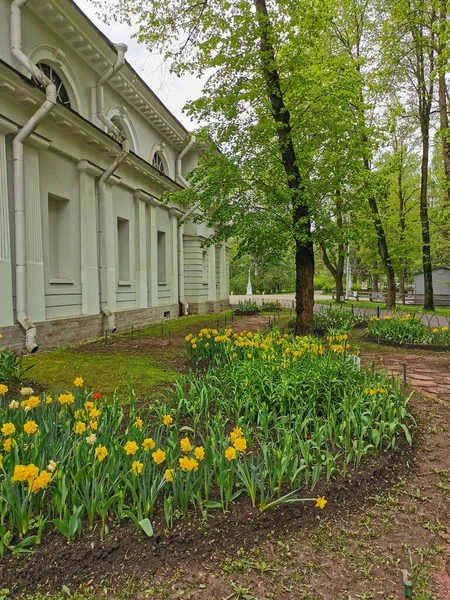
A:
[89,241]
[153,260]
[175,214]
[107,243]
[6,290]
[141,199]
[223,292]
[212,289]
[33,229]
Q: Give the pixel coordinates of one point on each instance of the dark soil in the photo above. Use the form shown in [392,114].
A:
[127,551]
[391,514]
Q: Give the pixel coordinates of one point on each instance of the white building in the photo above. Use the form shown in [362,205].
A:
[85,243]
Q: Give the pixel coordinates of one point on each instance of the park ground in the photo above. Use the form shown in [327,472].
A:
[391,514]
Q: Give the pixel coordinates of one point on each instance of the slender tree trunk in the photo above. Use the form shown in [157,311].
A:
[375,283]
[425,222]
[337,271]
[301,222]
[425,99]
[383,252]
[443,105]
[402,223]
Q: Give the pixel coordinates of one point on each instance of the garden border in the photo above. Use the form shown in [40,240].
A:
[407,345]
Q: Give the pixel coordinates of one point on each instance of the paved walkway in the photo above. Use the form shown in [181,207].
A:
[429,374]
[288,300]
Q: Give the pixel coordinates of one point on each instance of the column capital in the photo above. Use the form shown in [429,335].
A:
[37,142]
[176,212]
[145,197]
[86,166]
[7,126]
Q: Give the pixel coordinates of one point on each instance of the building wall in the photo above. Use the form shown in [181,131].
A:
[86,251]
[441,282]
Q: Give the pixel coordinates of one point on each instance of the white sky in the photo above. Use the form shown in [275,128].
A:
[174,92]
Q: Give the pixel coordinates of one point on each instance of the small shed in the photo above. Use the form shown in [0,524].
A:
[441,281]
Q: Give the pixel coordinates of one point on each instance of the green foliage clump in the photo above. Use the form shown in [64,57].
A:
[248,306]
[407,329]
[334,318]
[11,366]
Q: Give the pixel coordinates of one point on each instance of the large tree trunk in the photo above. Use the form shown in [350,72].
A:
[301,223]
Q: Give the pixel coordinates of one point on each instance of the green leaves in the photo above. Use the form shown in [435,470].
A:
[146,526]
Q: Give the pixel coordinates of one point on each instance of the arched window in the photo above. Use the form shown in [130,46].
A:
[61,93]
[157,162]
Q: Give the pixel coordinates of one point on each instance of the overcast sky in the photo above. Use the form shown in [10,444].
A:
[174,92]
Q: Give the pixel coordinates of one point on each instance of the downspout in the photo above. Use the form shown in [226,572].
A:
[101,183]
[18,172]
[182,180]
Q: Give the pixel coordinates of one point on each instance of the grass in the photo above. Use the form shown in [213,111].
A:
[112,368]
[367,304]
[113,371]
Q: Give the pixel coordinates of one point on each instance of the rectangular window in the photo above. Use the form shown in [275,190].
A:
[162,257]
[205,266]
[59,239]
[123,246]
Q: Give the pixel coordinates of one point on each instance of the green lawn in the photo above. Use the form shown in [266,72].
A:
[368,304]
[106,367]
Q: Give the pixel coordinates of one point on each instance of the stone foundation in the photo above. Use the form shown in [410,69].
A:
[72,330]
[208,308]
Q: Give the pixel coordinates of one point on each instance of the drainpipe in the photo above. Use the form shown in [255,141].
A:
[101,183]
[182,180]
[18,172]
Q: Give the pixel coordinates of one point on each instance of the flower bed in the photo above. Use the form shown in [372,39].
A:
[271,305]
[273,415]
[335,318]
[247,308]
[407,329]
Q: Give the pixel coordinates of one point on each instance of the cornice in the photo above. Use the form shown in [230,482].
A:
[69,22]
[21,90]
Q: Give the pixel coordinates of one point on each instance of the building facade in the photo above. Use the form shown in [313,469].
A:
[86,152]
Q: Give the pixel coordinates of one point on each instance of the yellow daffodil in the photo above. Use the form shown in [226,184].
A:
[131,448]
[8,429]
[185,445]
[240,444]
[148,444]
[137,467]
[8,444]
[3,389]
[159,456]
[66,399]
[80,427]
[168,475]
[100,453]
[230,453]
[41,482]
[30,427]
[188,464]
[78,382]
[199,453]
[321,502]
[167,420]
